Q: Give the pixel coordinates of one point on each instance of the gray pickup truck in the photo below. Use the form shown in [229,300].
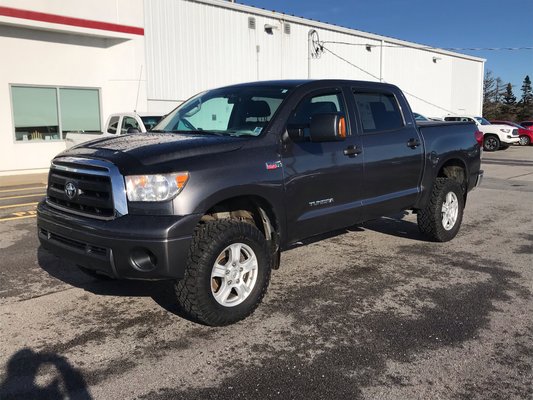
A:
[235,175]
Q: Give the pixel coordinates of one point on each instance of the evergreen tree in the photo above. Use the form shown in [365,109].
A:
[509,99]
[525,109]
[527,92]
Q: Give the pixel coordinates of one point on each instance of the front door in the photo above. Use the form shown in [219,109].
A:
[322,183]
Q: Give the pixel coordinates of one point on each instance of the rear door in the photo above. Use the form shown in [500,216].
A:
[322,183]
[393,152]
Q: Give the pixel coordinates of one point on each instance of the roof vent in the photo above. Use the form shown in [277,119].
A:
[287,28]
[251,22]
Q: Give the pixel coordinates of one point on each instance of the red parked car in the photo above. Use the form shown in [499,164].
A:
[525,133]
[527,125]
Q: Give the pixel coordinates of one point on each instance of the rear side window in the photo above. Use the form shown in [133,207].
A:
[378,111]
[113,125]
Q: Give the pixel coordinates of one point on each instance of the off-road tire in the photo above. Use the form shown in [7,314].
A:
[430,219]
[194,293]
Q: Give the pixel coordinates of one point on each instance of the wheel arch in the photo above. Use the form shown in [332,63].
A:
[455,169]
[253,209]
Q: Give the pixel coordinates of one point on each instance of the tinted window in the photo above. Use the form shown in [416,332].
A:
[300,119]
[378,111]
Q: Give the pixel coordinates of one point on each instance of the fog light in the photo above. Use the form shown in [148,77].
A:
[143,260]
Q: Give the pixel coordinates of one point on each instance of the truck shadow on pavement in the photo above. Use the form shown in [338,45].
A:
[394,225]
[162,292]
[33,375]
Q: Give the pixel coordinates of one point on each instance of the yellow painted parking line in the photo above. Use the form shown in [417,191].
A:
[13,218]
[19,205]
[22,189]
[21,197]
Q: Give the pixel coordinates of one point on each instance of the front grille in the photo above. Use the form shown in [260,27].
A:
[93,196]
[75,244]
[87,187]
[515,132]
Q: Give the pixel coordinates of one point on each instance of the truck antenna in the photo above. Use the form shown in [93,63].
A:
[138,90]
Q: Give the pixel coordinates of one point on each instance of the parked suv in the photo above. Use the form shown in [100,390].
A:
[526,135]
[495,137]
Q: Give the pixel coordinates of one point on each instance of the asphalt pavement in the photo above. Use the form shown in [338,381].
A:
[370,312]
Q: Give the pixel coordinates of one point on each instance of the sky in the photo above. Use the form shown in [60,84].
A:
[445,24]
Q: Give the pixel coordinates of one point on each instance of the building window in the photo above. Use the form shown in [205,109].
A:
[48,113]
[80,110]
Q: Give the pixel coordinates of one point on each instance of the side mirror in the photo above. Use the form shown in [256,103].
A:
[327,127]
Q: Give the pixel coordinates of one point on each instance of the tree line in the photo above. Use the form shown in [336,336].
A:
[499,101]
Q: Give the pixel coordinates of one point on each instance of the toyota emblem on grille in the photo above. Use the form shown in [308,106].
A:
[71,190]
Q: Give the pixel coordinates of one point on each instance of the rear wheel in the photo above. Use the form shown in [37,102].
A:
[525,140]
[227,273]
[441,219]
[491,143]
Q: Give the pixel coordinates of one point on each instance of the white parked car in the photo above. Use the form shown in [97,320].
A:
[117,124]
[495,137]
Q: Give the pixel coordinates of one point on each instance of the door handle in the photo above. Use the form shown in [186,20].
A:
[352,151]
[413,143]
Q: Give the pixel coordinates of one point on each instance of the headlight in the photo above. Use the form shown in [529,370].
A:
[505,130]
[155,187]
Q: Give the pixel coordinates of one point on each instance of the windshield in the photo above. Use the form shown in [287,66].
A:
[233,111]
[150,121]
[482,121]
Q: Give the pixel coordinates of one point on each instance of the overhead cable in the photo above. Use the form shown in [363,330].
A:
[399,46]
[382,80]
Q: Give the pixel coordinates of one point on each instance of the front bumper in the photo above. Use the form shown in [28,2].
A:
[511,140]
[130,247]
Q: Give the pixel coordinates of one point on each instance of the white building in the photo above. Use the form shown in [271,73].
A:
[67,64]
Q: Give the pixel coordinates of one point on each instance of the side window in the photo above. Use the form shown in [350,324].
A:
[378,111]
[299,121]
[113,125]
[129,123]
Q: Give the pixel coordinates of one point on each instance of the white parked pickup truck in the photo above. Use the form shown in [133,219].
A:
[117,124]
[495,137]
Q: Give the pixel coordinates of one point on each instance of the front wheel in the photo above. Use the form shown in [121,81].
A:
[441,219]
[525,140]
[227,273]
[491,143]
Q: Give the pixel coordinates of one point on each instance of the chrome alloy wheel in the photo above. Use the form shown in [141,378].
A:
[234,274]
[450,211]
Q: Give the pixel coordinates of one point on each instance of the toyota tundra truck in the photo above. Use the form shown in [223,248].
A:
[232,177]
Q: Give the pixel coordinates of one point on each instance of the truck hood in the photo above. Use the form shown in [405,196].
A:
[154,148]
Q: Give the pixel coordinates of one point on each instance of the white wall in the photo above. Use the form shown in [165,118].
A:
[193,45]
[199,44]
[59,55]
